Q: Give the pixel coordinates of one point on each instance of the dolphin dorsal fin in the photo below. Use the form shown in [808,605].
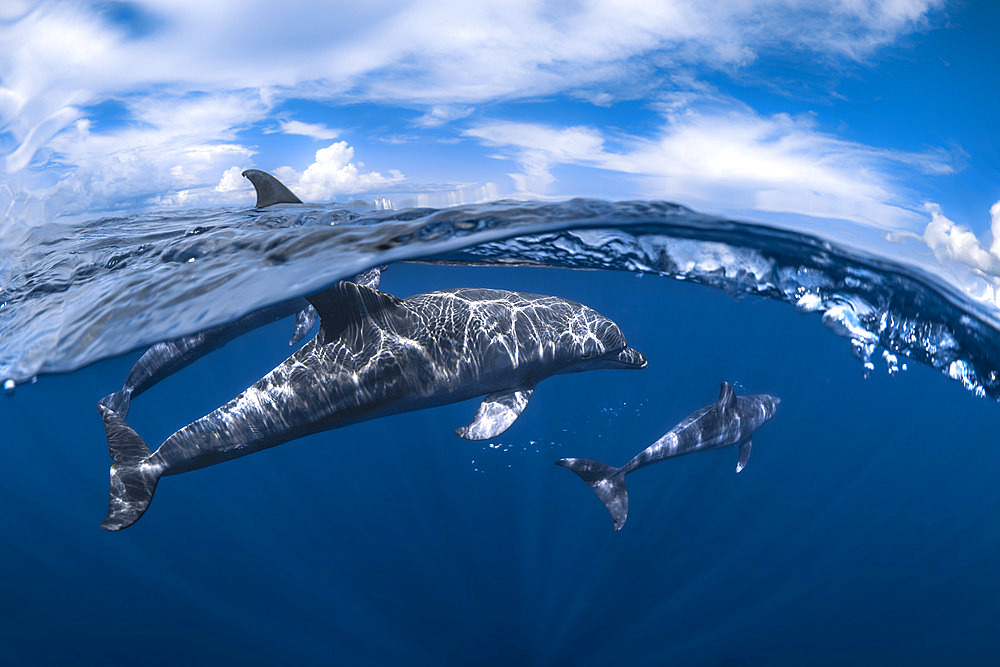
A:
[269,189]
[347,302]
[727,399]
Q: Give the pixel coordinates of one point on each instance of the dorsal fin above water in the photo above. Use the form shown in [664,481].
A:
[269,189]
[347,302]
[727,398]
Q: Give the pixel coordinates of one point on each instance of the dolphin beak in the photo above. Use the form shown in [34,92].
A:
[630,358]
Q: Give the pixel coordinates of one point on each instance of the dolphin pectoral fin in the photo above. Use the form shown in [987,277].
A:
[304,321]
[727,399]
[496,413]
[269,189]
[744,455]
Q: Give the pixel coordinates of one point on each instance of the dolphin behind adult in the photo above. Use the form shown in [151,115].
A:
[377,355]
[731,420]
[167,357]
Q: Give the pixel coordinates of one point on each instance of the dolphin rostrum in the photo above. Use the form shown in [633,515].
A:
[167,357]
[731,420]
[377,355]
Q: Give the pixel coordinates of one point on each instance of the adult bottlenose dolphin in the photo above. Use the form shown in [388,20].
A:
[166,358]
[731,420]
[377,355]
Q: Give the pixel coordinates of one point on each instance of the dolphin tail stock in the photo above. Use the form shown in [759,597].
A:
[607,482]
[119,402]
[133,480]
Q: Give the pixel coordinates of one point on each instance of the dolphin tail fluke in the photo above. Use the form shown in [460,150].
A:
[606,482]
[119,402]
[133,479]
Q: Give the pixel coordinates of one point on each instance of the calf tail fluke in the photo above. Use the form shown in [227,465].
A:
[606,481]
[119,402]
[133,478]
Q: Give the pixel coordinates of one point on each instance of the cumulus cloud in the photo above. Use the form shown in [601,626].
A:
[735,159]
[974,267]
[955,243]
[232,180]
[334,173]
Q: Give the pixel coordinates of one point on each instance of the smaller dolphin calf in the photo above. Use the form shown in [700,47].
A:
[731,420]
[168,357]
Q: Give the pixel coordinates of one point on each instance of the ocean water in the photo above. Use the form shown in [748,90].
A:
[862,530]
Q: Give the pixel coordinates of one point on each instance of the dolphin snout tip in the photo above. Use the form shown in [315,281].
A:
[632,358]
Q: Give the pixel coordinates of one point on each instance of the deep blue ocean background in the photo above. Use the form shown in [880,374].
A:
[864,529]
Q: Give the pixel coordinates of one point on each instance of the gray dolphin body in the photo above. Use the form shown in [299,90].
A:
[731,420]
[377,355]
[166,358]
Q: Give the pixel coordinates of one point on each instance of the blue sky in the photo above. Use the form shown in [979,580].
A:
[883,113]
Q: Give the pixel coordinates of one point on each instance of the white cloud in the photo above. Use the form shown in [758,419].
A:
[440,52]
[540,147]
[442,55]
[312,130]
[232,180]
[975,268]
[952,242]
[443,113]
[995,228]
[334,173]
[171,144]
[728,161]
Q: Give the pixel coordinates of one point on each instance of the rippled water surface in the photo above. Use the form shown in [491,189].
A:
[77,293]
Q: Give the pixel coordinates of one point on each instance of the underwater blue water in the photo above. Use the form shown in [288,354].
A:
[862,530]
